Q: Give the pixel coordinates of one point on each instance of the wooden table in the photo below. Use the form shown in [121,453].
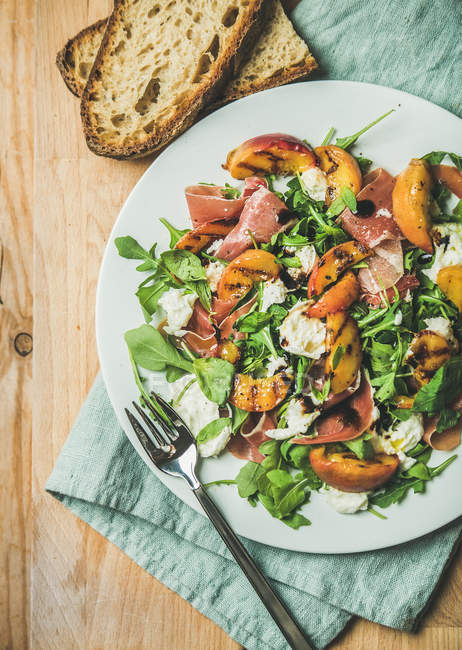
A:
[58,203]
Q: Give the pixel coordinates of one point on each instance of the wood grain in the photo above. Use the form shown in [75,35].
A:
[85,593]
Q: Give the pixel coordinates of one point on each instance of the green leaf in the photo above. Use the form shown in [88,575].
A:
[436,157]
[299,455]
[448,419]
[328,137]
[346,143]
[364,163]
[291,497]
[212,430]
[215,378]
[441,389]
[175,234]
[338,356]
[269,447]
[150,350]
[183,264]
[253,322]
[130,249]
[239,417]
[172,374]
[361,446]
[149,296]
[280,477]
[434,471]
[247,478]
[419,470]
[295,520]
[336,207]
[349,198]
[303,364]
[202,288]
[457,212]
[230,192]
[290,262]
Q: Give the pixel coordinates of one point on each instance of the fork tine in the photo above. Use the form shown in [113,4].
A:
[172,414]
[152,451]
[159,438]
[170,432]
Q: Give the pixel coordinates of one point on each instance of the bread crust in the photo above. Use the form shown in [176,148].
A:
[186,113]
[65,56]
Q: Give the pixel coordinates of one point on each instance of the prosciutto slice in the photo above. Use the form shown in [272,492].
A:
[226,320]
[245,444]
[373,229]
[346,421]
[384,268]
[201,336]
[260,216]
[448,439]
[207,203]
[406,283]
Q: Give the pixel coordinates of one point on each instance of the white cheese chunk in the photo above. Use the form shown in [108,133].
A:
[214,247]
[346,503]
[274,365]
[307,256]
[315,183]
[297,420]
[197,411]
[178,307]
[443,327]
[302,335]
[213,273]
[274,293]
[403,437]
[446,253]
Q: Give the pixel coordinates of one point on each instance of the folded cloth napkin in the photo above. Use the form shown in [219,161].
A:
[101,479]
[414,46]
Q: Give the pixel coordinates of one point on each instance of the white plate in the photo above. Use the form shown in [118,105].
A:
[306,110]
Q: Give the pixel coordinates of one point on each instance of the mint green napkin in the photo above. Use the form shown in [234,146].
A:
[414,46]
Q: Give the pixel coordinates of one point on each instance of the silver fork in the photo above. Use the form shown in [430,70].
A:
[173,450]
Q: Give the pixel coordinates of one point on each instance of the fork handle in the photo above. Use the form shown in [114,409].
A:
[281,616]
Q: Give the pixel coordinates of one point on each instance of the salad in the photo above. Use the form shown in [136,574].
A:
[309,322]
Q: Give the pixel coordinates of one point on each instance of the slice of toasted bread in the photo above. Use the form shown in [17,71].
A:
[157,66]
[278,56]
[76,59]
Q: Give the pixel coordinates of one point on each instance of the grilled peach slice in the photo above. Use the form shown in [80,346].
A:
[449,281]
[333,264]
[428,352]
[450,176]
[341,171]
[273,153]
[342,334]
[228,351]
[258,395]
[197,239]
[344,471]
[403,401]
[411,203]
[338,298]
[249,267]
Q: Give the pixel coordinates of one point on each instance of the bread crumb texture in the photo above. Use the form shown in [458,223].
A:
[156,61]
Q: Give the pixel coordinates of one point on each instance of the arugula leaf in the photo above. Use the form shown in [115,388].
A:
[299,455]
[238,416]
[172,374]
[361,446]
[364,163]
[130,249]
[436,157]
[420,471]
[215,378]
[336,207]
[150,350]
[253,322]
[338,356]
[448,418]
[434,471]
[441,389]
[295,520]
[280,477]
[183,264]
[247,478]
[303,364]
[175,233]
[457,212]
[349,198]
[230,192]
[149,296]
[290,497]
[290,262]
[202,288]
[328,137]
[346,143]
[212,430]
